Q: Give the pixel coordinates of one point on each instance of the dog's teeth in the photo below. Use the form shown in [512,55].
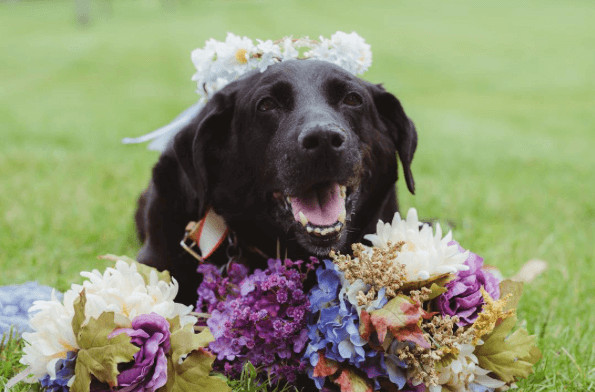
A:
[317,230]
[341,217]
[303,219]
[338,227]
[288,198]
[309,229]
[343,191]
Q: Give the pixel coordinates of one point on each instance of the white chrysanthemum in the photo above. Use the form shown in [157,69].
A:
[121,290]
[424,254]
[463,372]
[53,337]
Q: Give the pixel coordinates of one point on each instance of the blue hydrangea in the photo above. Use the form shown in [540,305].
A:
[15,301]
[334,328]
[64,372]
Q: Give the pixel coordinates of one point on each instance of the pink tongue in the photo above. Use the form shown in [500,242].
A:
[321,206]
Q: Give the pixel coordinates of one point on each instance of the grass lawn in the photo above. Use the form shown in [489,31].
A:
[503,95]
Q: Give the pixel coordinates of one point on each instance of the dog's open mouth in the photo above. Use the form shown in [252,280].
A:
[320,210]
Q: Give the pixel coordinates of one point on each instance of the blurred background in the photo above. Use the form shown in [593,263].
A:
[502,93]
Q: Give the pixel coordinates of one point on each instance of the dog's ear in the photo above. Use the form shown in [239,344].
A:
[401,129]
[199,147]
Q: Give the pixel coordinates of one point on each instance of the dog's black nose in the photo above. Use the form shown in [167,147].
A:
[322,139]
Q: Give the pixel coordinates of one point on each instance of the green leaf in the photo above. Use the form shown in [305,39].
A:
[82,378]
[142,269]
[184,341]
[174,324]
[193,374]
[439,280]
[350,381]
[508,355]
[401,316]
[189,365]
[436,290]
[99,355]
[515,289]
[79,312]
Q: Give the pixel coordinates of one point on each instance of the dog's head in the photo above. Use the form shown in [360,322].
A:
[304,148]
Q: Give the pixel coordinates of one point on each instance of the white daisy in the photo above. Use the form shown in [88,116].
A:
[349,51]
[219,63]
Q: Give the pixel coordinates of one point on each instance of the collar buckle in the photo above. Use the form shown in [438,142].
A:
[188,242]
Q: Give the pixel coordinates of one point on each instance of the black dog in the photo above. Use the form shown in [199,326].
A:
[302,155]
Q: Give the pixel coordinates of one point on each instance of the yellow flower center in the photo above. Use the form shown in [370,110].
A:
[241,56]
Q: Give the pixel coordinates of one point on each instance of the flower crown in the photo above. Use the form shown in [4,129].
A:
[219,63]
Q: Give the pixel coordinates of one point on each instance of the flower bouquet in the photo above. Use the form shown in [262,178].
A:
[412,312]
[119,330]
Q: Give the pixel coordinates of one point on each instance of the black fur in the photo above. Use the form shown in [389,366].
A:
[298,124]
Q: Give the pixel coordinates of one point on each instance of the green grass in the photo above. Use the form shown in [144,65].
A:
[11,346]
[502,93]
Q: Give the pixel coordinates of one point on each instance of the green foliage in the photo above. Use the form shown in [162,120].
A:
[11,346]
[513,291]
[10,352]
[98,355]
[510,355]
[189,366]
[249,382]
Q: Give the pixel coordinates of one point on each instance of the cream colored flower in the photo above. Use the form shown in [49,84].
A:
[52,337]
[462,372]
[424,253]
[123,290]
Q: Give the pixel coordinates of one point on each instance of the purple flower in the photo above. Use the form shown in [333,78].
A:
[148,373]
[463,296]
[260,318]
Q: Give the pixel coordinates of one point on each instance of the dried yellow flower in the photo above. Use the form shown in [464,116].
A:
[445,338]
[377,269]
[491,312]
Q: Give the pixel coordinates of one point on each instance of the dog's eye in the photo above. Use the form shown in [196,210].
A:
[266,104]
[353,99]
